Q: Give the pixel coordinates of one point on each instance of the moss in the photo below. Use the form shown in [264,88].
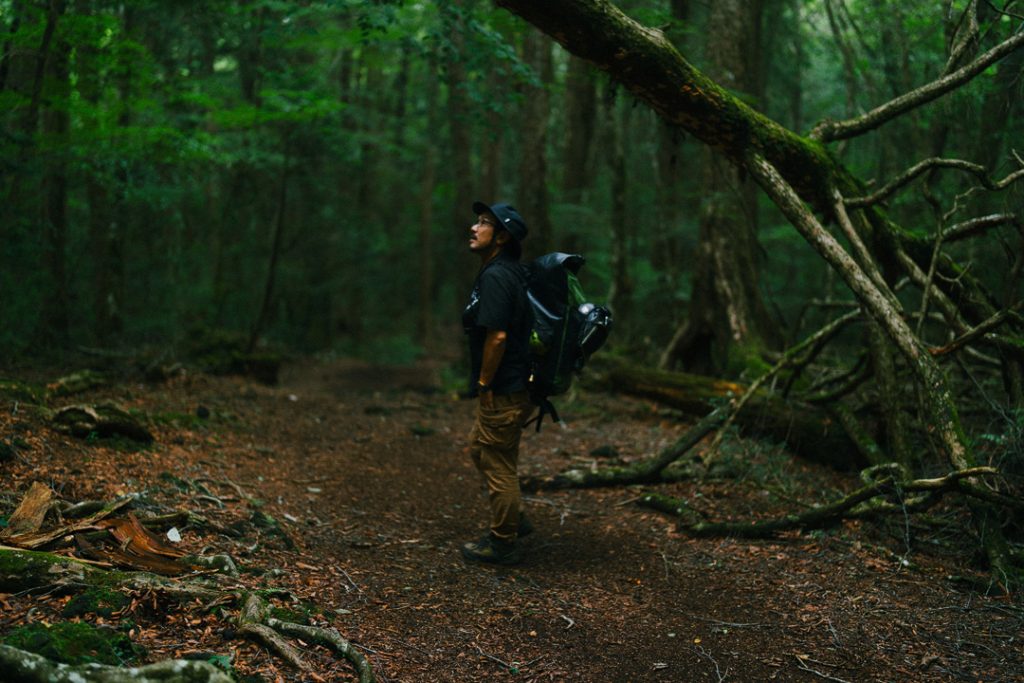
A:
[222,352]
[299,615]
[746,362]
[21,391]
[75,643]
[21,569]
[99,600]
[77,382]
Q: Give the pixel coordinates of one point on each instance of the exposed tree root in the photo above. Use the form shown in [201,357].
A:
[22,570]
[328,637]
[19,666]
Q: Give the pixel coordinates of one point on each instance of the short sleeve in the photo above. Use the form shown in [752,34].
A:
[497,299]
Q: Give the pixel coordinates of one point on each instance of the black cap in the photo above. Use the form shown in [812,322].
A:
[507,216]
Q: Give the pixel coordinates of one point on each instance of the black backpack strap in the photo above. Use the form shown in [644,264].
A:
[545,408]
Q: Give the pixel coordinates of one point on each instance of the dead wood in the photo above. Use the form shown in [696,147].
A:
[809,430]
[24,667]
[29,515]
[793,356]
[644,471]
[859,503]
[828,130]
[76,383]
[38,539]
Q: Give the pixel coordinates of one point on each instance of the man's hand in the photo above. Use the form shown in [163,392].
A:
[494,349]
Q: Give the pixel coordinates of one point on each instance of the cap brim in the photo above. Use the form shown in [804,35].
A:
[480,207]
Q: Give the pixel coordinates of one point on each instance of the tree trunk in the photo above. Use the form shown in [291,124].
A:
[620,293]
[533,192]
[808,430]
[727,315]
[55,320]
[106,209]
[461,145]
[5,56]
[425,319]
[275,251]
[644,61]
[666,243]
[580,114]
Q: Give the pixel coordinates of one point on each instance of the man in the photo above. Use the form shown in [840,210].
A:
[497,322]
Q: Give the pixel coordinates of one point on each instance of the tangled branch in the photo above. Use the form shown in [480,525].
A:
[921,167]
[828,131]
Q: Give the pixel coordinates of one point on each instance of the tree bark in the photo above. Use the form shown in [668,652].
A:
[727,319]
[275,251]
[55,324]
[580,113]
[425,319]
[461,145]
[620,292]
[533,176]
[790,169]
[809,431]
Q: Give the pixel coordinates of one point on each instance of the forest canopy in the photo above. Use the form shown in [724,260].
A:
[162,159]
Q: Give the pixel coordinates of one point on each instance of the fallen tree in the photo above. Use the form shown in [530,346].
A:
[808,430]
[806,182]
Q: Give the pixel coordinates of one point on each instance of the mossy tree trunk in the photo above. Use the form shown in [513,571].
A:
[793,170]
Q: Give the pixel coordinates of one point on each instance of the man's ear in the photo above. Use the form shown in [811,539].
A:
[503,236]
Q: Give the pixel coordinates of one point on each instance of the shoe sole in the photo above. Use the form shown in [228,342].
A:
[505,561]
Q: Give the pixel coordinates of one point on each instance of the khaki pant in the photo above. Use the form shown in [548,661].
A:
[494,447]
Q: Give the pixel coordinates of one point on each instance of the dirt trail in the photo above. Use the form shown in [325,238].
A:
[607,592]
[365,468]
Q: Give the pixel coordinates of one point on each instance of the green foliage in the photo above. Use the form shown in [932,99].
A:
[188,122]
[75,643]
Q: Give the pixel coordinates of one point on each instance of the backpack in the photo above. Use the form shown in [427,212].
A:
[566,329]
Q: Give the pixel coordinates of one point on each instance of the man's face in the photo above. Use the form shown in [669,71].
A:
[482,233]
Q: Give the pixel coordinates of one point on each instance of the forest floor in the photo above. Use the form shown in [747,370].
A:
[365,469]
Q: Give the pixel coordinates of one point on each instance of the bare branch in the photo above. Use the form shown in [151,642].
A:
[919,168]
[968,42]
[1005,11]
[978,330]
[859,249]
[821,516]
[828,131]
[949,310]
[975,226]
[820,337]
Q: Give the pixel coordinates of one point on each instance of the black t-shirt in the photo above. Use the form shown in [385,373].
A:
[498,302]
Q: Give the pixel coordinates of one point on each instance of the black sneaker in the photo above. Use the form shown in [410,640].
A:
[492,550]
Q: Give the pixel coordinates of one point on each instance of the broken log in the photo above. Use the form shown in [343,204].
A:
[808,430]
[29,515]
